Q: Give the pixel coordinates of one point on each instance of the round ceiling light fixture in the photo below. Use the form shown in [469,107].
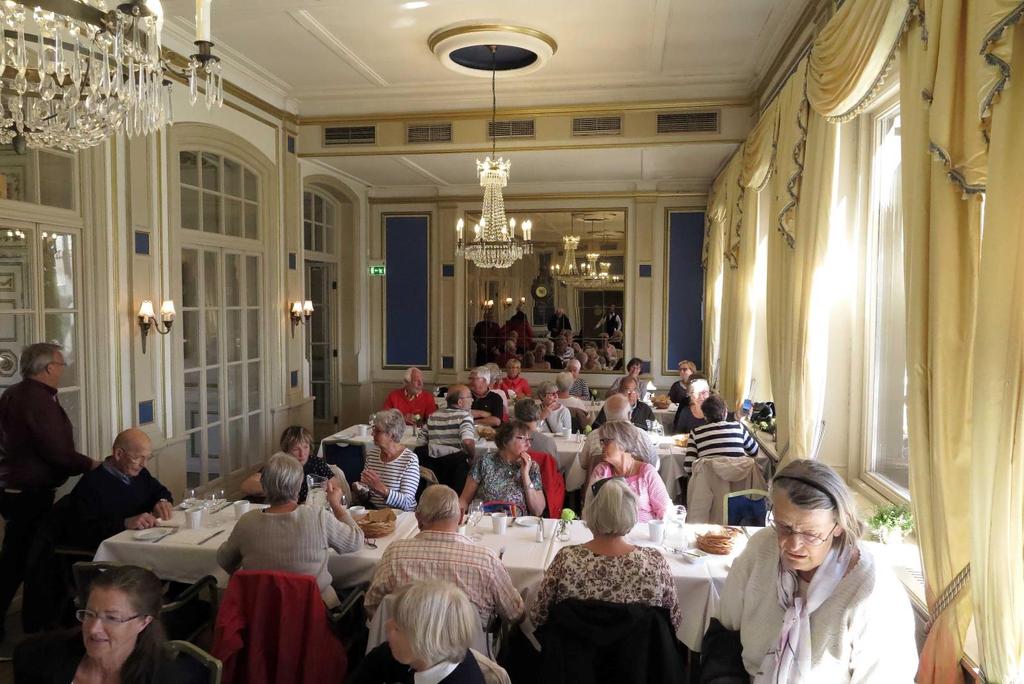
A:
[466,48]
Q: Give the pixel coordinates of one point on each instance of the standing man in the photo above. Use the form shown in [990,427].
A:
[558,322]
[612,321]
[410,399]
[38,456]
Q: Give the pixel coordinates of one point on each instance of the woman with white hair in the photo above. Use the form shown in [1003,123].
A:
[836,613]
[554,417]
[391,472]
[431,628]
[608,568]
[652,499]
[290,537]
[689,416]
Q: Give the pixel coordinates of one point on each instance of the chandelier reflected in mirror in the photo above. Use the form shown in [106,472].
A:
[591,273]
[75,73]
[494,243]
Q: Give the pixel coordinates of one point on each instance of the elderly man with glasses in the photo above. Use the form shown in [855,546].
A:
[410,398]
[37,455]
[119,495]
[640,414]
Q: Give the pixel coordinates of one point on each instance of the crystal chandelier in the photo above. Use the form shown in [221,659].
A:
[75,73]
[587,274]
[494,242]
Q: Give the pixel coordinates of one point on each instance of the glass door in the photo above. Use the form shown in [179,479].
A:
[320,349]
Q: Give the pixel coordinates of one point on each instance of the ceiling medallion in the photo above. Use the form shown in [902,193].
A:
[465,49]
[74,74]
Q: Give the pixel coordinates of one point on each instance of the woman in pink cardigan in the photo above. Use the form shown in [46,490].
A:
[652,500]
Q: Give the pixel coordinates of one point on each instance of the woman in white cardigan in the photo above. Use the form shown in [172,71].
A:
[809,600]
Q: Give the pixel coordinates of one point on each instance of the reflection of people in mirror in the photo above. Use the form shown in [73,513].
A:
[612,320]
[558,322]
[520,324]
[486,336]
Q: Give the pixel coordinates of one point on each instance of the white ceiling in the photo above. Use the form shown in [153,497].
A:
[358,57]
[352,57]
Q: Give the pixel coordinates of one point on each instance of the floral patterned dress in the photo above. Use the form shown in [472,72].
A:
[641,576]
[500,481]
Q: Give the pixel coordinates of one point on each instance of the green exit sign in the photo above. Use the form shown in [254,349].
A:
[377,270]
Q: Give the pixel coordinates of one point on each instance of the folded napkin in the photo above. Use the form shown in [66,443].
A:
[173,522]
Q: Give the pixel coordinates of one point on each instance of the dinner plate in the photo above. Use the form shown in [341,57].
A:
[528,521]
[150,534]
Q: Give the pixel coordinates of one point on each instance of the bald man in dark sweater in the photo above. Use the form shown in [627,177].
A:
[119,495]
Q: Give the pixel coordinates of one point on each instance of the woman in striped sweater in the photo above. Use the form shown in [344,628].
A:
[391,472]
[717,437]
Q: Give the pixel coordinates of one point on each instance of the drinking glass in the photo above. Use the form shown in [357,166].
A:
[190,498]
[476,512]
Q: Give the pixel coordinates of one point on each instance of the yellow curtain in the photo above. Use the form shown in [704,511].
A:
[730,181]
[713,263]
[785,189]
[852,54]
[997,502]
[941,243]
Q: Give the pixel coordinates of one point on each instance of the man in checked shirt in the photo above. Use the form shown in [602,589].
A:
[439,552]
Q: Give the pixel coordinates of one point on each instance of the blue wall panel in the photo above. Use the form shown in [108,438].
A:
[685,288]
[406,286]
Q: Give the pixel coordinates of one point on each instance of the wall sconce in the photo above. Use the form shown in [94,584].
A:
[300,312]
[147,319]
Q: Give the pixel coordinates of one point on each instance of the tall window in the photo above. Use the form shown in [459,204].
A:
[320,214]
[221,282]
[887,444]
[40,301]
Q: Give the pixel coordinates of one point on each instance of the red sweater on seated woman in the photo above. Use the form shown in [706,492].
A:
[513,380]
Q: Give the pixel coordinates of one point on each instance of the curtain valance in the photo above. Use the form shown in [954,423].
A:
[852,55]
[759,149]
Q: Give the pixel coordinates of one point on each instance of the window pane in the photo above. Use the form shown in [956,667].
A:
[318,208]
[189,278]
[213,446]
[255,438]
[213,395]
[252,225]
[254,385]
[252,281]
[307,205]
[189,168]
[211,213]
[58,271]
[252,333]
[15,270]
[60,328]
[233,335]
[190,338]
[193,459]
[193,407]
[16,332]
[212,281]
[232,280]
[235,446]
[211,171]
[232,178]
[232,217]
[235,390]
[190,209]
[212,337]
[252,187]
[307,235]
[56,180]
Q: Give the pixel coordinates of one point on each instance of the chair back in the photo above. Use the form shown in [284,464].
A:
[747,508]
[340,474]
[348,457]
[194,654]
[580,418]
[84,572]
[552,481]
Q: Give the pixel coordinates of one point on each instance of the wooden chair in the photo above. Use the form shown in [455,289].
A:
[755,510]
[184,649]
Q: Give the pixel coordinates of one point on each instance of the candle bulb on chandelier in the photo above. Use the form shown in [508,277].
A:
[476,230]
[512,227]
[203,20]
[458,229]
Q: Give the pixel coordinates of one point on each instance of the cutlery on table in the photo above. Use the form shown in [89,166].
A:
[165,535]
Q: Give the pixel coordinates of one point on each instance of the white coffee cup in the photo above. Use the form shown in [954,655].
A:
[657,531]
[566,434]
[499,521]
[364,430]
[356,511]
[194,518]
[462,530]
[549,527]
[241,508]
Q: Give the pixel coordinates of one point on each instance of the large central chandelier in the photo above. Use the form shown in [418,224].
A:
[74,72]
[494,243]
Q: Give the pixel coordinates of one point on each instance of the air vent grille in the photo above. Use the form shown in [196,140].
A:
[688,122]
[516,128]
[350,135]
[597,125]
[429,133]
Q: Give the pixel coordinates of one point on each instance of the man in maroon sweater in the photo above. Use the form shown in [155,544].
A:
[37,456]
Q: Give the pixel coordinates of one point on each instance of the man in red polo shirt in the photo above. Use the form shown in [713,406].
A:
[411,400]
